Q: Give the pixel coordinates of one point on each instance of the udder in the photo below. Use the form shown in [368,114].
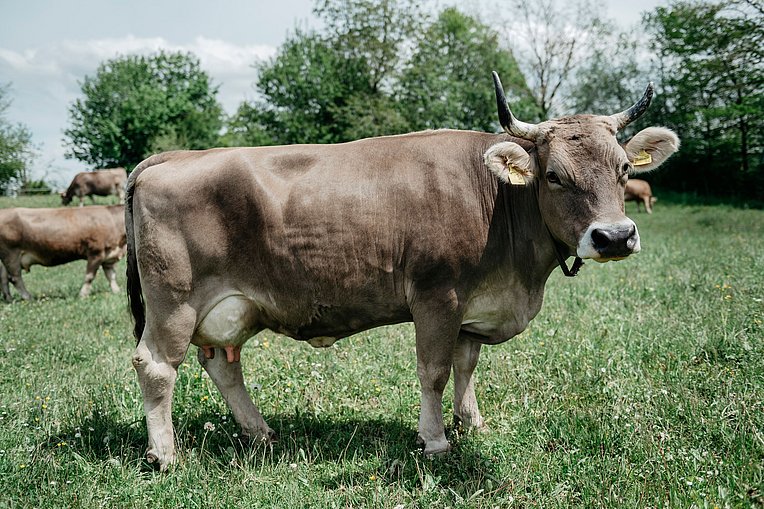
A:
[228,325]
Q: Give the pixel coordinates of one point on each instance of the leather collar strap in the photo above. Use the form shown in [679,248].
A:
[560,251]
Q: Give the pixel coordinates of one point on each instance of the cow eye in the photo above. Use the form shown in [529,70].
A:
[626,168]
[552,178]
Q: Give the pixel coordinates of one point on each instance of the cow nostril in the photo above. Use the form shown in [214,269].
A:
[600,238]
[615,241]
[632,238]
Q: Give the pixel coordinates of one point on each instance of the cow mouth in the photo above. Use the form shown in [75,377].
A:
[605,259]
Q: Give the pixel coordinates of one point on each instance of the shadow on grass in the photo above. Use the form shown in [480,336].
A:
[352,449]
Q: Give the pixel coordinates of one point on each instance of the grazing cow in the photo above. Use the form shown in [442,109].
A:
[319,242]
[639,191]
[99,182]
[55,236]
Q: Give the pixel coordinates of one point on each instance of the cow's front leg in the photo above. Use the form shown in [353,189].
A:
[437,320]
[90,274]
[111,277]
[466,356]
[4,283]
[230,382]
[13,266]
[156,359]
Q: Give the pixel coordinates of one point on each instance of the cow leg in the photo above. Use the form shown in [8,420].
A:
[160,351]
[466,410]
[90,274]
[437,326]
[111,276]
[648,205]
[13,266]
[4,283]
[230,382]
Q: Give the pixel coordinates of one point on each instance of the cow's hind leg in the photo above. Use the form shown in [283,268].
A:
[466,410]
[156,359]
[648,204]
[90,274]
[230,382]
[111,276]
[437,324]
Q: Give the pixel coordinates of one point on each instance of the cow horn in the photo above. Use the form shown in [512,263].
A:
[626,117]
[507,119]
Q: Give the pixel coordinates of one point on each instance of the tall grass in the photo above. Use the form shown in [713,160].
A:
[640,384]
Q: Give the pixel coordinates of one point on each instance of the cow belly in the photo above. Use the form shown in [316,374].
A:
[232,321]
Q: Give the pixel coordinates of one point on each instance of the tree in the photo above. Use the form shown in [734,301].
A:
[551,42]
[16,148]
[374,31]
[137,105]
[447,81]
[711,59]
[379,68]
[611,79]
[334,85]
[306,87]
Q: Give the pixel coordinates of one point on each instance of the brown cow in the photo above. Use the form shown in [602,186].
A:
[98,182]
[319,242]
[639,191]
[55,236]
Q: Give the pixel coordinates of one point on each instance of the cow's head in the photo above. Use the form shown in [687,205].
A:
[582,170]
[65,198]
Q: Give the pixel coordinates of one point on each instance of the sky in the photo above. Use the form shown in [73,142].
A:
[47,47]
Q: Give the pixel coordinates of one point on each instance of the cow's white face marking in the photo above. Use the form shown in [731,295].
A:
[586,247]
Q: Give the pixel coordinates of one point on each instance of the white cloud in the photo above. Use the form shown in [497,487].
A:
[46,80]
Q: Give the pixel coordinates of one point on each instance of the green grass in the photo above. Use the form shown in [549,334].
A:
[640,384]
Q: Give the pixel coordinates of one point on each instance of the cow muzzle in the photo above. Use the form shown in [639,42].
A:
[604,242]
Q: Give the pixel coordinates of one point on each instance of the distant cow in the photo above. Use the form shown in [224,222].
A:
[99,182]
[639,191]
[55,236]
[456,231]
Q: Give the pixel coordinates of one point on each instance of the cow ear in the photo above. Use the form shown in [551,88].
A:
[650,147]
[510,163]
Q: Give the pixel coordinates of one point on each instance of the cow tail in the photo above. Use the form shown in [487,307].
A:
[134,291]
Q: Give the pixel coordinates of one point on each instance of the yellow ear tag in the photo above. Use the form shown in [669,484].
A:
[642,159]
[516,176]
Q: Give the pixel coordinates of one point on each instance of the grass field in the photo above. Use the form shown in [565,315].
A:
[640,384]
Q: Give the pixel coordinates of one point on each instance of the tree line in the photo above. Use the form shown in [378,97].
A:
[387,67]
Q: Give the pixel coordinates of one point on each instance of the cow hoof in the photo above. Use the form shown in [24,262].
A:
[469,424]
[268,438]
[434,447]
[153,457]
